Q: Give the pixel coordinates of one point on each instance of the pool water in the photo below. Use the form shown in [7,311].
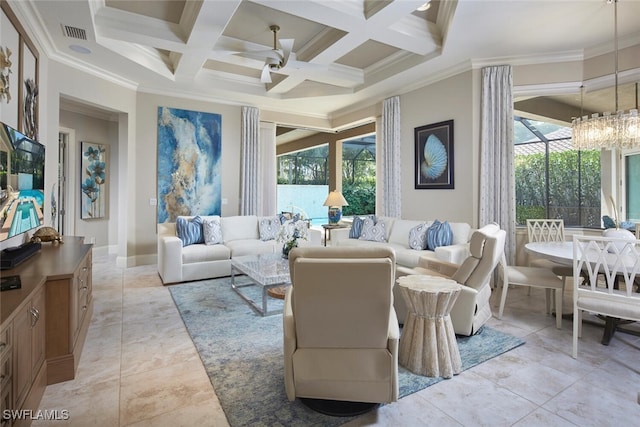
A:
[26,217]
[36,194]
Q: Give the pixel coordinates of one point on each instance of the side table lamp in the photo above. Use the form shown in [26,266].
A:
[335,201]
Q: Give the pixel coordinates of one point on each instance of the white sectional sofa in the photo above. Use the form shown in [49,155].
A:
[240,236]
[397,237]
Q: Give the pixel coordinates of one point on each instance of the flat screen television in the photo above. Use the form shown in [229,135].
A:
[21,183]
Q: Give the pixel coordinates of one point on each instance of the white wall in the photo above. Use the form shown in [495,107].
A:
[452,98]
[63,81]
[97,131]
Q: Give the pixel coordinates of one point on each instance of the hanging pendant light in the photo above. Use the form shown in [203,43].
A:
[607,131]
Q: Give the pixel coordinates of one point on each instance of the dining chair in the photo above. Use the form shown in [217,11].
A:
[548,230]
[535,277]
[605,271]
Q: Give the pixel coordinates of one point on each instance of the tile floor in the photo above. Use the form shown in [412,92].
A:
[140,368]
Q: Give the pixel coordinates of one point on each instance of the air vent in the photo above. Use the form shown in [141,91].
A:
[74,32]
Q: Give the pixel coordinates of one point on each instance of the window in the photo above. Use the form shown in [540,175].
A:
[359,175]
[552,179]
[632,182]
[303,183]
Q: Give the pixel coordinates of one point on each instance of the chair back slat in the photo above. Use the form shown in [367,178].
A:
[617,260]
[545,230]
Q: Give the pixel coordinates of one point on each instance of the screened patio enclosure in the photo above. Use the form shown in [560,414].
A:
[552,179]
[303,179]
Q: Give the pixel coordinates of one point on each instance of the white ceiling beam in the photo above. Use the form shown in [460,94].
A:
[206,24]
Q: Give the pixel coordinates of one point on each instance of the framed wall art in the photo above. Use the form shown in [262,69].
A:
[189,163]
[93,180]
[434,156]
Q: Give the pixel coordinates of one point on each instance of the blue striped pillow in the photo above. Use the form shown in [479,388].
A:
[356,228]
[189,230]
[439,234]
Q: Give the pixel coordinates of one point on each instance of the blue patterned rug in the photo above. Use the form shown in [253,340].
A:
[242,354]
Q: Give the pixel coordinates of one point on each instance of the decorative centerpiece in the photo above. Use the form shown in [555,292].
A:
[290,233]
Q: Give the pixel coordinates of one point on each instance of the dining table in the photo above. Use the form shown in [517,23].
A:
[562,253]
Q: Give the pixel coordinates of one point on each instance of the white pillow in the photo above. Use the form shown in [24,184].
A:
[418,237]
[269,226]
[374,232]
[212,231]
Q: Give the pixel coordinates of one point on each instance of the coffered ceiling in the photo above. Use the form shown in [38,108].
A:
[345,54]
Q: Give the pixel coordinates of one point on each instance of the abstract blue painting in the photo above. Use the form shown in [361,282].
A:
[189,145]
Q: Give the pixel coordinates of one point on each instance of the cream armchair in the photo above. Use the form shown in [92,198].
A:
[341,333]
[472,308]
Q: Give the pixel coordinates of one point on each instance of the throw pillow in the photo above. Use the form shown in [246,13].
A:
[418,237]
[189,230]
[356,228]
[372,231]
[212,231]
[269,226]
[439,234]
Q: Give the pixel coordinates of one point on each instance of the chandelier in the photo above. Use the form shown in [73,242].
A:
[618,130]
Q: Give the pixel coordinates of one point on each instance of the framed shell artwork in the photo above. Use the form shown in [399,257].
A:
[434,156]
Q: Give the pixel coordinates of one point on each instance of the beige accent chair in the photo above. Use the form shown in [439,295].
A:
[472,308]
[612,296]
[341,334]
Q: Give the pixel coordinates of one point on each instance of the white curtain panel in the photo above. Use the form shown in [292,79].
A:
[497,177]
[250,162]
[391,179]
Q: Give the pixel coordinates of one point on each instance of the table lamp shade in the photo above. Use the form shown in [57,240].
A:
[335,201]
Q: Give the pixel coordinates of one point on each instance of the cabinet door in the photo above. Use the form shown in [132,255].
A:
[22,355]
[38,331]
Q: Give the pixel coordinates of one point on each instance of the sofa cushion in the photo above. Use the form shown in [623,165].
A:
[203,253]
[269,226]
[212,230]
[239,227]
[189,230]
[418,236]
[399,233]
[461,232]
[374,232]
[243,247]
[439,234]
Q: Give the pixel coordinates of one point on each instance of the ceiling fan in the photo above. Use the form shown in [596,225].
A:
[276,58]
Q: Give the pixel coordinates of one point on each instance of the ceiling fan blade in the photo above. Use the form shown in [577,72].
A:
[287,47]
[261,55]
[265,77]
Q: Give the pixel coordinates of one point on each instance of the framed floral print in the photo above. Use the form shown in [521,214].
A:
[93,180]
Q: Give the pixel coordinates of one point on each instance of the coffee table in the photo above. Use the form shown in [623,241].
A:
[267,271]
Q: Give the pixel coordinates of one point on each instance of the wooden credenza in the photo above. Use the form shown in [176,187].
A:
[44,324]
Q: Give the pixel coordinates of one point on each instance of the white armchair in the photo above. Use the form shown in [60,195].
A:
[472,308]
[341,333]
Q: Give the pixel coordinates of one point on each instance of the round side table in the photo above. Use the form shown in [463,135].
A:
[428,343]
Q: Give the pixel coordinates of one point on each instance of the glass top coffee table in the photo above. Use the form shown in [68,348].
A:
[267,271]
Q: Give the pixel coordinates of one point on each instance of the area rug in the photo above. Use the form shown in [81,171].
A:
[242,354]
